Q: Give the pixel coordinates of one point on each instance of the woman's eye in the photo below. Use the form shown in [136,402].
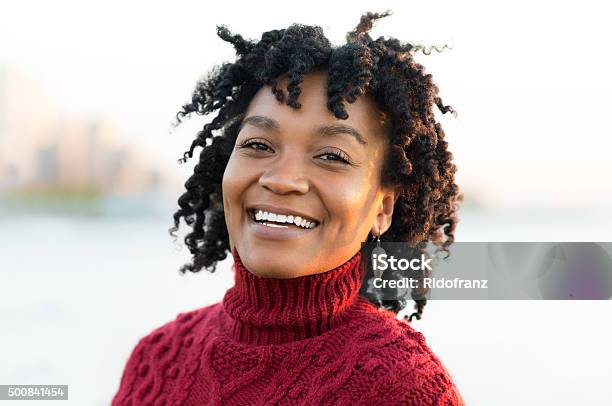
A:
[256,145]
[334,156]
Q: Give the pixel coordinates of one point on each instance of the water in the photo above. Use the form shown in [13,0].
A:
[76,294]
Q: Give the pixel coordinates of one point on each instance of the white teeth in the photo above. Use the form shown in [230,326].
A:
[261,215]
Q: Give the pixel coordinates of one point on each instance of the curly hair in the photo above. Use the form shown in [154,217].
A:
[418,159]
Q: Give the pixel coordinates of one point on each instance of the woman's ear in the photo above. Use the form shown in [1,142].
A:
[385,212]
[397,191]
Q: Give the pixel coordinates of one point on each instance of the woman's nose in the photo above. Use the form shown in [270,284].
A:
[285,175]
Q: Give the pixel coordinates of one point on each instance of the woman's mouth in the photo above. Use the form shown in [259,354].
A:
[274,226]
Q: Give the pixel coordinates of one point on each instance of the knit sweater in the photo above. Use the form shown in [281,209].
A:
[310,340]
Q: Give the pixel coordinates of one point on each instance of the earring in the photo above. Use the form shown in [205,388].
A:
[378,239]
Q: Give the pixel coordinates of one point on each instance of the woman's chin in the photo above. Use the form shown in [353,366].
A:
[272,263]
[273,270]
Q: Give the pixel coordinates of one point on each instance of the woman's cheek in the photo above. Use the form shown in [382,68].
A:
[346,204]
[233,184]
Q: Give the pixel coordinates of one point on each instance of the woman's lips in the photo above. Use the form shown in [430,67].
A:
[278,232]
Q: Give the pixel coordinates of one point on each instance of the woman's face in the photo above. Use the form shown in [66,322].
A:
[307,165]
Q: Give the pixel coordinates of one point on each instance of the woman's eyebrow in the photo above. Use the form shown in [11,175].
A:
[334,129]
[268,123]
[262,122]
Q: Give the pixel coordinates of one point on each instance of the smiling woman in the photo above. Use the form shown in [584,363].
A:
[291,189]
[303,162]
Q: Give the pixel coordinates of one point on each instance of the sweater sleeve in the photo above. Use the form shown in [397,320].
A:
[140,378]
[422,387]
[162,363]
[416,377]
[130,373]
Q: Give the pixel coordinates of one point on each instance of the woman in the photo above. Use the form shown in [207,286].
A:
[291,180]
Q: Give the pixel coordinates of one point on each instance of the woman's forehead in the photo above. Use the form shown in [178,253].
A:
[363,114]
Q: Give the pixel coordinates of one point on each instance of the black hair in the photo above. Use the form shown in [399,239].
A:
[418,157]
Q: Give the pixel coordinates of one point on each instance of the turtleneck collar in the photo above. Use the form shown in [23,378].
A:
[274,311]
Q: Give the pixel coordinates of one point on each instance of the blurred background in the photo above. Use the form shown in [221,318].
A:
[89,178]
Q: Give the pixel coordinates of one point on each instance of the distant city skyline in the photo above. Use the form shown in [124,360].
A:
[55,150]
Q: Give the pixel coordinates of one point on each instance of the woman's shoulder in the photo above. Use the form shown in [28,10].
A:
[403,368]
[182,327]
[186,322]
[164,350]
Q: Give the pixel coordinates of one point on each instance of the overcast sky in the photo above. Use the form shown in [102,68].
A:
[530,80]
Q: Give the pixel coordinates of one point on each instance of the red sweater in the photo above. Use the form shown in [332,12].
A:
[310,340]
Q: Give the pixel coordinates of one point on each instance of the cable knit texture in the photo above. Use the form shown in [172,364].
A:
[310,340]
